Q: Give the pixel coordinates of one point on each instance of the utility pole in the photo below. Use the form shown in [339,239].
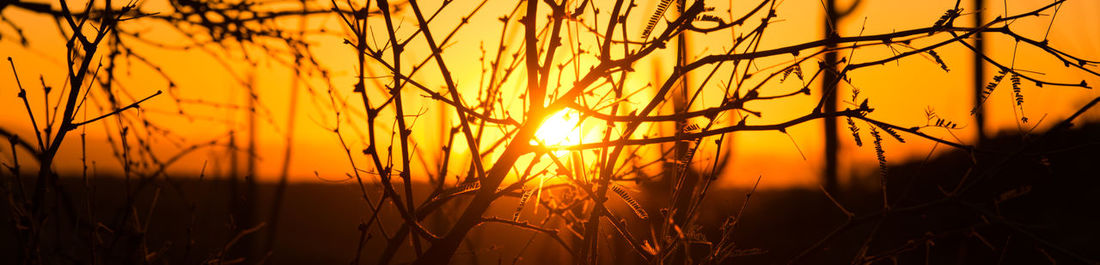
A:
[830,84]
[979,73]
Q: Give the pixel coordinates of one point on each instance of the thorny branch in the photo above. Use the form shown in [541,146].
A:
[576,45]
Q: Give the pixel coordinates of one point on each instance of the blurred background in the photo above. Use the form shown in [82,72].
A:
[205,85]
[261,99]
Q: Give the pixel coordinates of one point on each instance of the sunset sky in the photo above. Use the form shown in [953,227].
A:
[208,85]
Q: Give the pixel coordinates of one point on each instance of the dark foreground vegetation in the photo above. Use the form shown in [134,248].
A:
[1029,201]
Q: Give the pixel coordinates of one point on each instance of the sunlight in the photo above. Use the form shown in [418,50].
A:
[342,119]
[560,129]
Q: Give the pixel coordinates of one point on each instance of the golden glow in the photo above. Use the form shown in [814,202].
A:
[560,129]
[904,91]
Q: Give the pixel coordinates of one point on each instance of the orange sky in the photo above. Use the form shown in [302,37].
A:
[900,92]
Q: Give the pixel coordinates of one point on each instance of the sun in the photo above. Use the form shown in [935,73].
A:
[560,129]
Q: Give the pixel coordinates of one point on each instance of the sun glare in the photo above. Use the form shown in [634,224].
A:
[560,129]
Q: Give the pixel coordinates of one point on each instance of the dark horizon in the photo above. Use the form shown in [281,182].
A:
[318,219]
